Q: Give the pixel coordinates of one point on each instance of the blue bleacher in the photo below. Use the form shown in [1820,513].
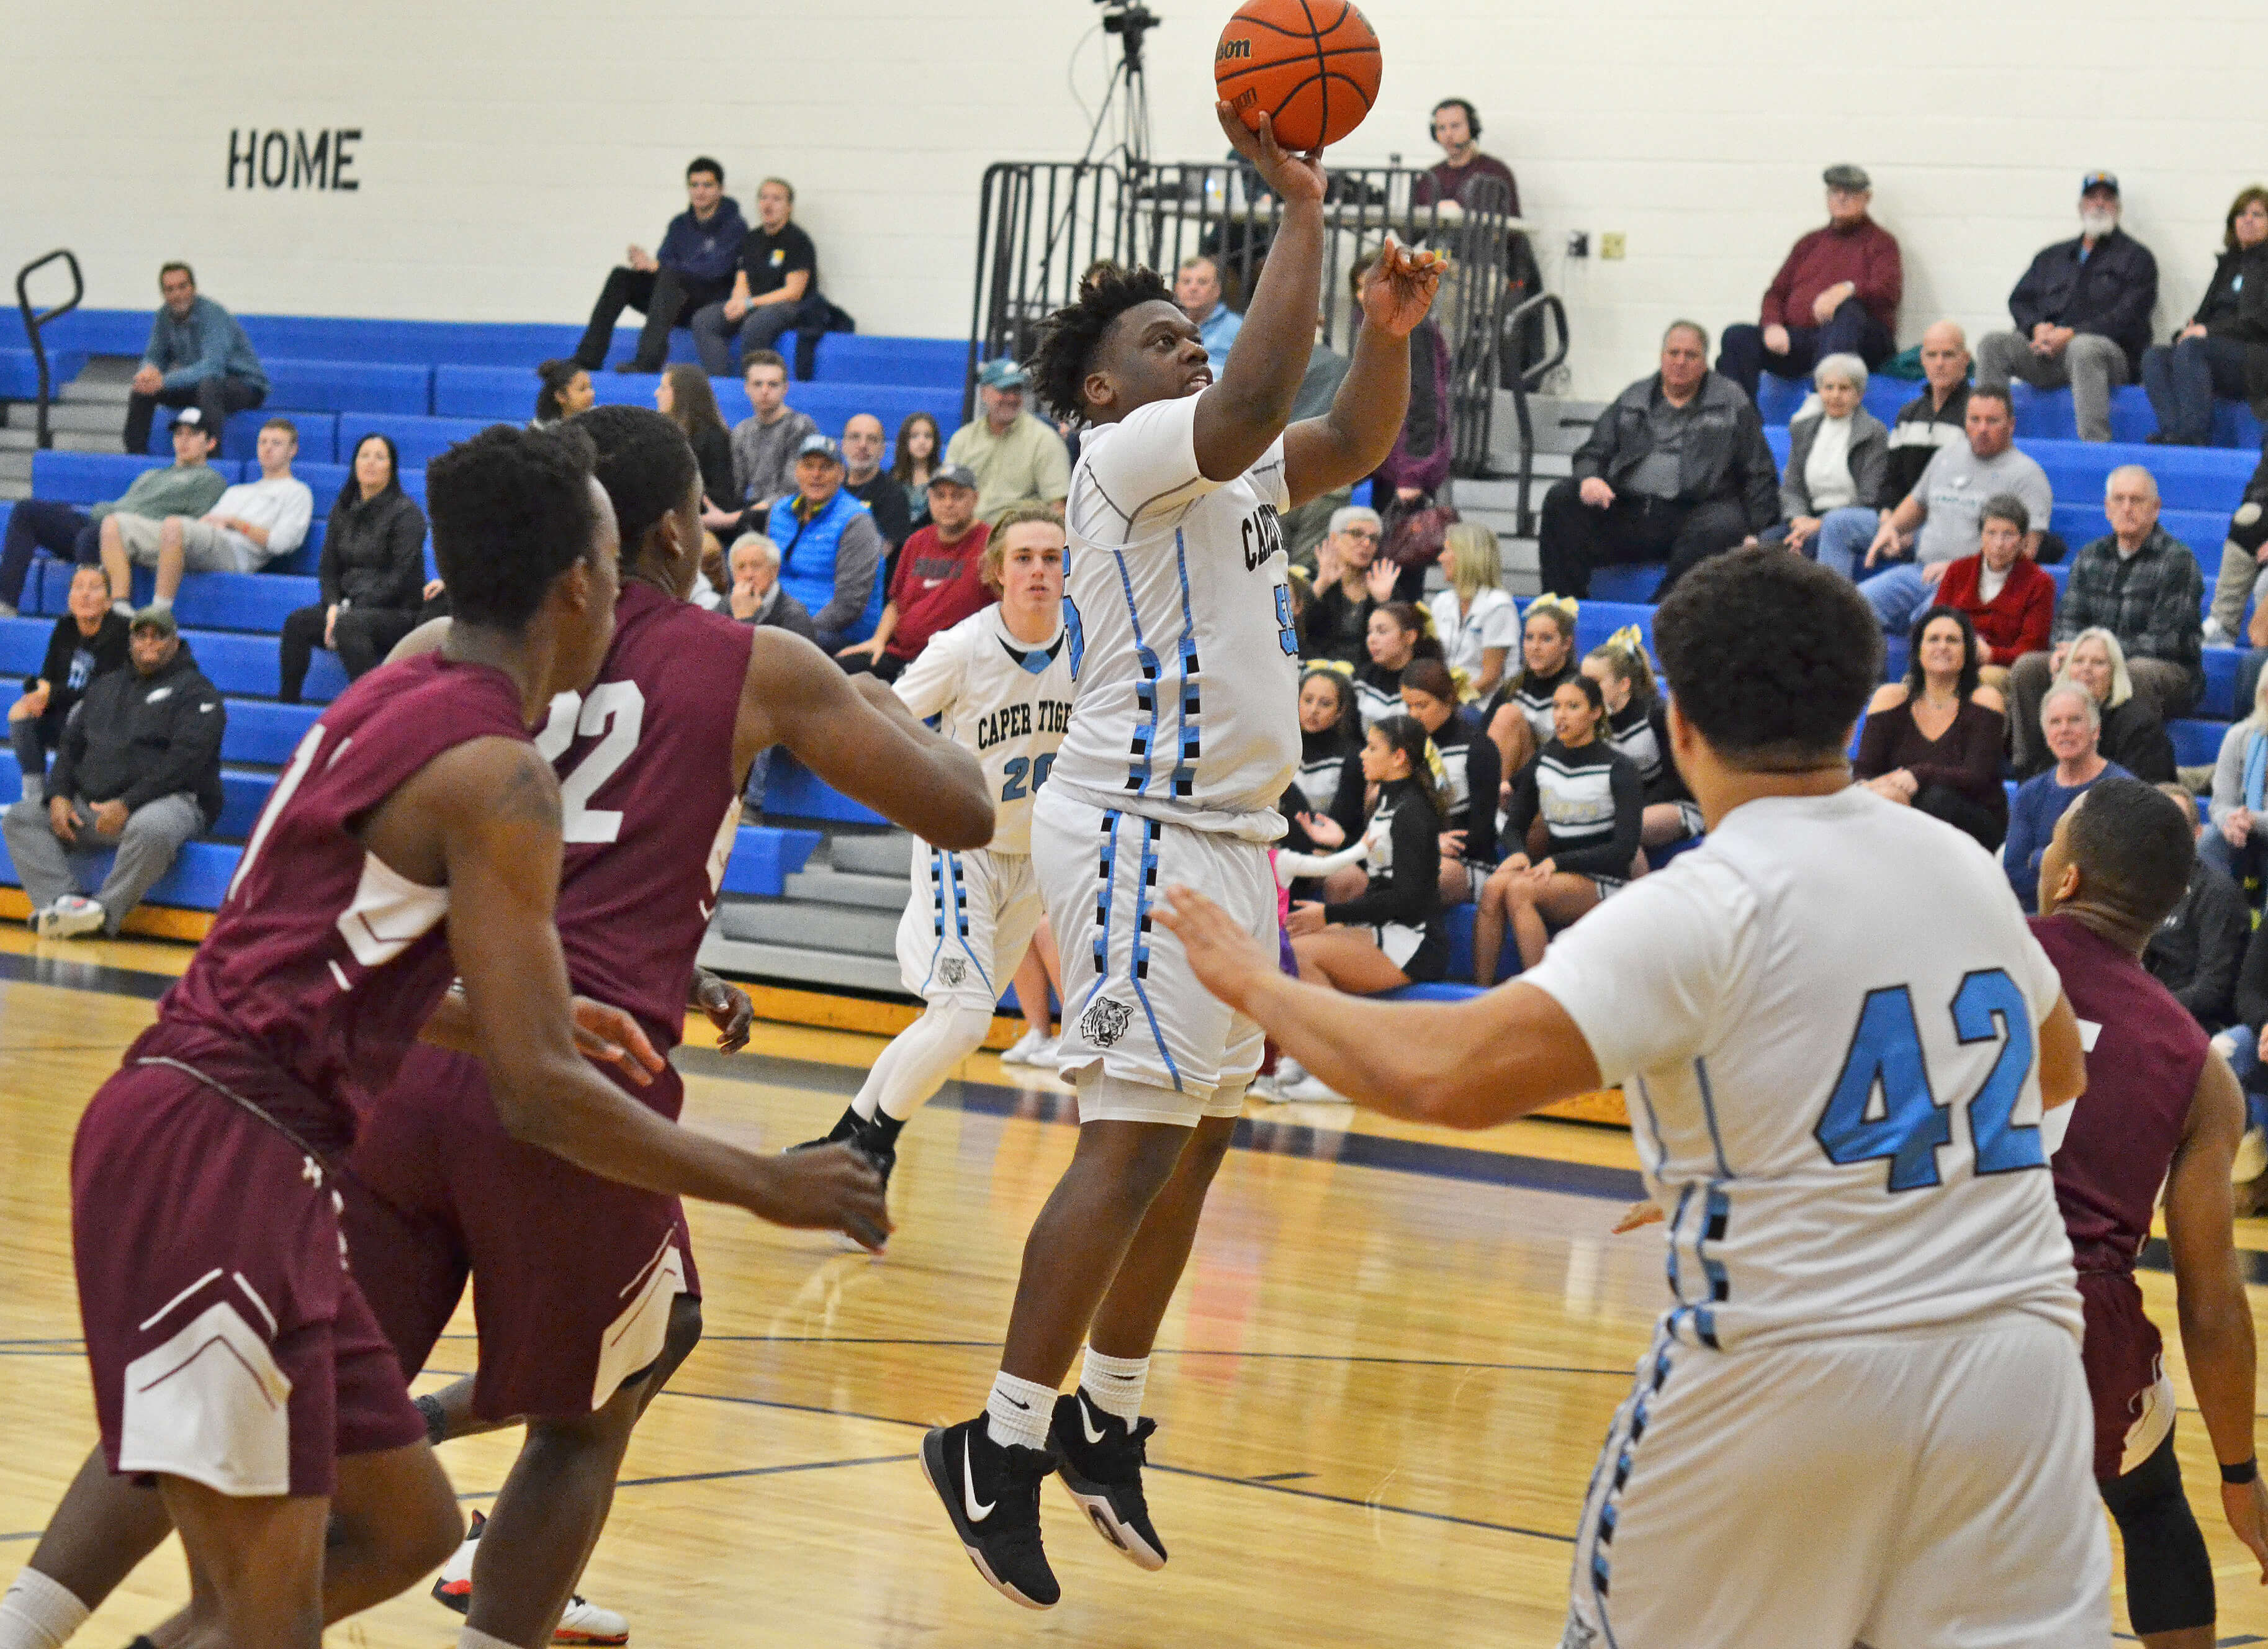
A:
[2197,741]
[418,441]
[84,478]
[349,386]
[2041,414]
[19,372]
[318,434]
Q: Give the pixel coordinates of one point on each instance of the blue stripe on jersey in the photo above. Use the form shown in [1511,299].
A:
[1716,1209]
[1104,899]
[1187,738]
[1676,1227]
[1622,1444]
[937,899]
[1709,1110]
[1652,1121]
[1145,691]
[1140,962]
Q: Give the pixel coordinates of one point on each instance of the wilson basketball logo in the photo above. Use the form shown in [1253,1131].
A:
[1233,49]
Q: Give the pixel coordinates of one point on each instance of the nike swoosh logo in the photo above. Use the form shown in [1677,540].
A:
[1085,1424]
[707,909]
[976,1513]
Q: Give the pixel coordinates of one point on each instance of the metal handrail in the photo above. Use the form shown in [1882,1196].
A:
[1527,380]
[34,320]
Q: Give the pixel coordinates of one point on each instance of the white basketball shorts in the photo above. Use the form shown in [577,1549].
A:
[1142,1039]
[1925,1491]
[967,924]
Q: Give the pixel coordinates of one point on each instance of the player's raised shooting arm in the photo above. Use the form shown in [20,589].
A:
[855,734]
[1354,437]
[1250,401]
[2216,1318]
[2063,1056]
[495,806]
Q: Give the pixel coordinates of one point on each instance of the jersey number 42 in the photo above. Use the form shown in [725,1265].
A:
[1913,1124]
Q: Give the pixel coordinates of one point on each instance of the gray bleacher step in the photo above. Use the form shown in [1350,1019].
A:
[872,853]
[22,442]
[11,491]
[88,418]
[797,965]
[834,927]
[823,886]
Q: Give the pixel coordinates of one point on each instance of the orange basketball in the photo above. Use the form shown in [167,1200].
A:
[1312,65]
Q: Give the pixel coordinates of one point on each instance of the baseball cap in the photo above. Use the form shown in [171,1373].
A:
[2099,181]
[955,475]
[1847,176]
[1002,374]
[194,417]
[155,617]
[819,446]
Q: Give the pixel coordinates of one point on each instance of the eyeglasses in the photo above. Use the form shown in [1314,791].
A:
[1370,533]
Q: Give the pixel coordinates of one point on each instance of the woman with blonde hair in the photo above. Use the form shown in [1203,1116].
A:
[1519,715]
[1475,617]
[2132,734]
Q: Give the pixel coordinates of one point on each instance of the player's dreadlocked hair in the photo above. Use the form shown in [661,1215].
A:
[1069,337]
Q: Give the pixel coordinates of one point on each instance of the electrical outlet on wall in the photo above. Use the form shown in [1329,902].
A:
[1579,243]
[1610,244]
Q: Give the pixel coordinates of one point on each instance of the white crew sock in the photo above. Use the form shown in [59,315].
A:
[161,603]
[916,1064]
[468,1637]
[38,1613]
[1018,1411]
[1116,1384]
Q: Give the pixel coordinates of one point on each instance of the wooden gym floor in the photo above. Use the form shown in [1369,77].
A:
[1380,1388]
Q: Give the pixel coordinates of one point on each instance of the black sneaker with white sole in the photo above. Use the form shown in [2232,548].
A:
[1100,1459]
[992,1492]
[844,1132]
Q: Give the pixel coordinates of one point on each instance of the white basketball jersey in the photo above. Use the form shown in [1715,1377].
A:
[1007,702]
[1824,1022]
[1181,636]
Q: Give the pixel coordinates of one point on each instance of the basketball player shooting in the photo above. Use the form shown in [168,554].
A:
[1863,1418]
[1184,732]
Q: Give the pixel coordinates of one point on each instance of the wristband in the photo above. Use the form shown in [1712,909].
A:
[2247,1473]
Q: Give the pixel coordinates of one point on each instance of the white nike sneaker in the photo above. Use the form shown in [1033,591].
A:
[581,1622]
[1310,1091]
[70,916]
[2252,1158]
[1031,1048]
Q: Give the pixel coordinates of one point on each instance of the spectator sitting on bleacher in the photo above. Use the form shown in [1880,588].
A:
[873,486]
[1017,457]
[830,551]
[1521,714]
[756,597]
[1638,725]
[1592,806]
[1932,742]
[2238,814]
[1329,779]
[1457,128]
[89,640]
[1197,288]
[2223,348]
[371,573]
[2082,313]
[2243,567]
[915,457]
[2131,732]
[1469,777]
[944,576]
[775,286]
[2071,722]
[1938,416]
[1835,485]
[251,524]
[1337,623]
[1938,522]
[138,770]
[187,486]
[565,388]
[2004,593]
[1416,466]
[1400,633]
[1675,470]
[2143,587]
[1836,293]
[692,270]
[764,446]
[1475,616]
[197,357]
[2197,951]
[683,396]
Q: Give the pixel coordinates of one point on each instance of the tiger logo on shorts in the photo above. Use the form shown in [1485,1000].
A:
[953,970]
[1104,1022]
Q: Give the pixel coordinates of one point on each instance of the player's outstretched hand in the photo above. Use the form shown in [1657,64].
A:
[1296,177]
[1400,288]
[607,1036]
[2246,1506]
[728,1009]
[829,1188]
[1228,961]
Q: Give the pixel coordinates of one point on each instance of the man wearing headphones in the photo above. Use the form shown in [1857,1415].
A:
[1457,128]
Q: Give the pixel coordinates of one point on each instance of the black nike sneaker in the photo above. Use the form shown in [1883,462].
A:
[1099,1460]
[844,1132]
[992,1492]
[883,1154]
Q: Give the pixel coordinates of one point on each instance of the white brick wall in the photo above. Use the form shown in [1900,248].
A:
[509,150]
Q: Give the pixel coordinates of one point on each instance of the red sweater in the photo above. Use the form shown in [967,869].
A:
[2017,621]
[1865,254]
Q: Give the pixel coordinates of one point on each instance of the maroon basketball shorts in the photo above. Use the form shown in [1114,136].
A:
[228,1343]
[2125,1373]
[573,1276]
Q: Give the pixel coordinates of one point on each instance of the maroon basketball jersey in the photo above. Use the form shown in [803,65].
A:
[650,803]
[324,963]
[2142,1069]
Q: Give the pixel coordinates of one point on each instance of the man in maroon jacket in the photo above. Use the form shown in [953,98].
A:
[1836,294]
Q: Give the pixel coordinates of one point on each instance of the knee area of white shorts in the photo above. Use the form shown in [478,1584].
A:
[961,1027]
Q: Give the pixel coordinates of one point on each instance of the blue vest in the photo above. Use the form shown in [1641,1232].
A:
[807,558]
